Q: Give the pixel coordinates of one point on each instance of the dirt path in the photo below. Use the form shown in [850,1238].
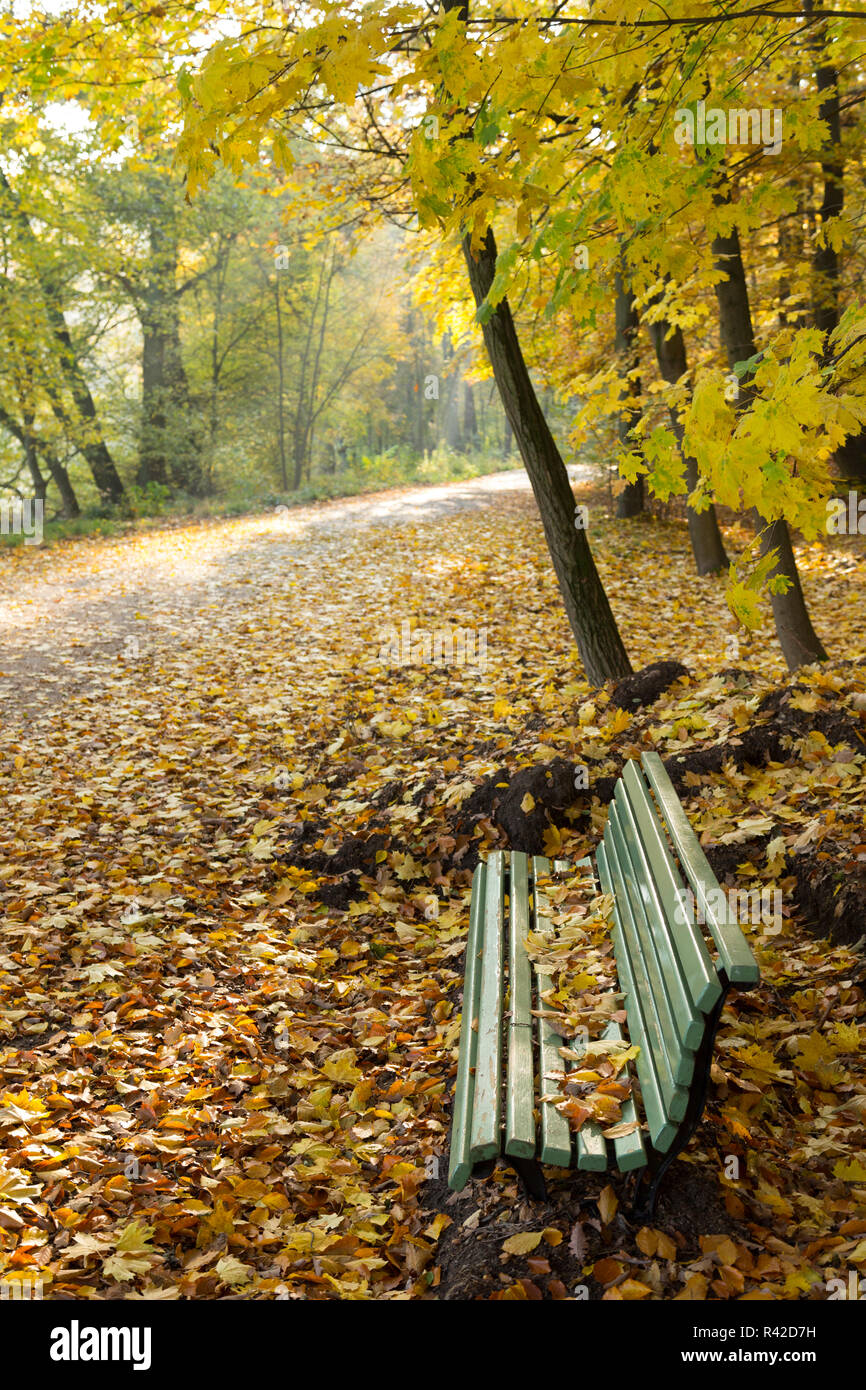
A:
[70,613]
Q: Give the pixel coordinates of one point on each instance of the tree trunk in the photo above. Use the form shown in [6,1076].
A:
[40,486]
[170,444]
[297,457]
[422,412]
[601,648]
[797,637]
[450,407]
[217,362]
[451,412]
[281,420]
[850,456]
[825,259]
[470,420]
[69,502]
[91,444]
[170,450]
[708,548]
[631,500]
[152,462]
[31,445]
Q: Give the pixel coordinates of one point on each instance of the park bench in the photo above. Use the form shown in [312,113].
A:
[674,989]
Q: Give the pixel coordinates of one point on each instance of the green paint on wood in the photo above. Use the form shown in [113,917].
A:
[692,954]
[629,1149]
[662,1129]
[656,935]
[672,1064]
[644,946]
[735,953]
[555,1130]
[520,1089]
[485,1138]
[460,1163]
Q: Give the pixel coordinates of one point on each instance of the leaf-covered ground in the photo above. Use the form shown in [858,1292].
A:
[237,846]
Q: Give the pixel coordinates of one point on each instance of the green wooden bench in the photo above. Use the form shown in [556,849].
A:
[674,992]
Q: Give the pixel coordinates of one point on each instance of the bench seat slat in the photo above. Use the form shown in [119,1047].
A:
[655,935]
[590,1146]
[520,1090]
[592,1149]
[695,960]
[590,1143]
[735,953]
[662,1126]
[485,1137]
[629,1149]
[460,1163]
[555,1129]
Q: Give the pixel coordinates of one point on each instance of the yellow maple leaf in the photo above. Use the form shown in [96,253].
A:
[854,1171]
[341,1066]
[620,721]
[552,842]
[437,1226]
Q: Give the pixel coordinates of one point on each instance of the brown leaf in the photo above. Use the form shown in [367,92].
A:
[606,1270]
[577,1242]
[607,1204]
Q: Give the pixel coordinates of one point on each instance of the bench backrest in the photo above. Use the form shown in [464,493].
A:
[671,982]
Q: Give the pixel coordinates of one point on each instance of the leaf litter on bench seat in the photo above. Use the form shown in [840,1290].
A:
[581,1000]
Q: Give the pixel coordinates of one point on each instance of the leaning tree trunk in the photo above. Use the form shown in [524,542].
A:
[707,545]
[631,500]
[601,648]
[40,486]
[32,448]
[92,445]
[797,637]
[91,442]
[68,501]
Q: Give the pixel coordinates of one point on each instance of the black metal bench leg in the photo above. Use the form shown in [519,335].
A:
[646,1192]
[530,1175]
[646,1189]
[484,1169]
